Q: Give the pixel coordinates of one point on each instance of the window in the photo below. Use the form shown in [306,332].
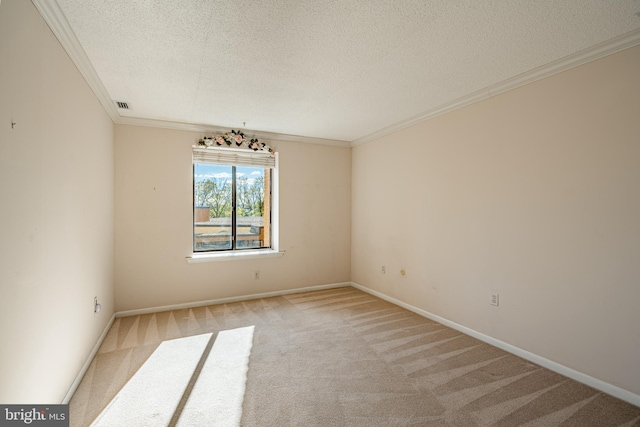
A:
[233,194]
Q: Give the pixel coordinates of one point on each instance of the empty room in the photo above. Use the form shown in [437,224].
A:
[331,213]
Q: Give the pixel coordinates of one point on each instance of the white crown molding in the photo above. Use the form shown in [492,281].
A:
[593,53]
[53,16]
[59,25]
[209,129]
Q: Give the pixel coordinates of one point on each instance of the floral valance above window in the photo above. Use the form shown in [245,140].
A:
[235,138]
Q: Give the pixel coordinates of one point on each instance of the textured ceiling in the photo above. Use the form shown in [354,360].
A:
[335,69]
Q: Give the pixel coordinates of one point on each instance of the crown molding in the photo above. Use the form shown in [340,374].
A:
[53,16]
[593,53]
[207,129]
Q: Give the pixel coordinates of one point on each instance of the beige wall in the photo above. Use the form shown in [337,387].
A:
[154,222]
[56,212]
[534,193]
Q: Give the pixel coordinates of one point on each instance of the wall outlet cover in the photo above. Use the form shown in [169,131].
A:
[494,298]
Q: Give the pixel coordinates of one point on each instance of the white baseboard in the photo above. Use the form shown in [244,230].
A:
[96,347]
[83,370]
[604,387]
[228,300]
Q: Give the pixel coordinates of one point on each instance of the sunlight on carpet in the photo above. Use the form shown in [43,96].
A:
[216,399]
[152,395]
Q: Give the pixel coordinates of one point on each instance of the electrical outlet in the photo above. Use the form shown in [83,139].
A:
[494,298]
[384,270]
[256,275]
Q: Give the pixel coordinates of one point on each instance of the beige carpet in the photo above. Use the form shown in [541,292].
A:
[342,357]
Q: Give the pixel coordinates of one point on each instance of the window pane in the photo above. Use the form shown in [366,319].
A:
[250,212]
[212,198]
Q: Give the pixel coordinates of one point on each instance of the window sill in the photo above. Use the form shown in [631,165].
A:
[232,256]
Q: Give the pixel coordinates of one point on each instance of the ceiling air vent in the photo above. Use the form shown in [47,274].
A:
[123,105]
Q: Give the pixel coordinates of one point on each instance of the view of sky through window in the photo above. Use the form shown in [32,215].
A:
[203,172]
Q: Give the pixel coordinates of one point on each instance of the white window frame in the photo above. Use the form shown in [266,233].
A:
[243,254]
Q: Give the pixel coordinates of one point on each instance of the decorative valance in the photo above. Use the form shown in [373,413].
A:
[235,138]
